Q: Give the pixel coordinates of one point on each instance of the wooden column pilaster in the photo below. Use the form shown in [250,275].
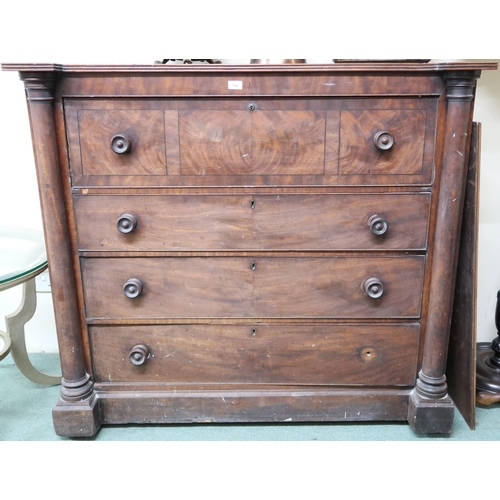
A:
[78,404]
[430,400]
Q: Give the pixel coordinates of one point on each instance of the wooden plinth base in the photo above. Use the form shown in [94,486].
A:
[77,419]
[430,416]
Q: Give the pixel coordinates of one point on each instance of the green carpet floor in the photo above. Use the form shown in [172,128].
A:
[26,415]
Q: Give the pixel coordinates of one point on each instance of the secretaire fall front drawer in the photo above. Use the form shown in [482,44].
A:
[245,141]
[278,222]
[246,287]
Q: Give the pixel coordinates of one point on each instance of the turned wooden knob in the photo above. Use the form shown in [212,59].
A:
[378,225]
[139,354]
[126,223]
[121,144]
[383,140]
[373,287]
[133,288]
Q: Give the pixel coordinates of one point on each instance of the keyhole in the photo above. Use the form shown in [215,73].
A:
[368,354]
[252,203]
[253,266]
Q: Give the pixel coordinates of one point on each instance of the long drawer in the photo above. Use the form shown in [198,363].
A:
[239,222]
[265,287]
[261,354]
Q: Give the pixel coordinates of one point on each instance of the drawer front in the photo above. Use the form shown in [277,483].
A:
[281,222]
[261,354]
[245,141]
[208,287]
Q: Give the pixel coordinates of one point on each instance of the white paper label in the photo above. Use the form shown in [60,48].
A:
[235,85]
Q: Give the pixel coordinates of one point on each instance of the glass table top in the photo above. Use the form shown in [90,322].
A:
[22,253]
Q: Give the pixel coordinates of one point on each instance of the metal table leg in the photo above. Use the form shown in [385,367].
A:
[7,344]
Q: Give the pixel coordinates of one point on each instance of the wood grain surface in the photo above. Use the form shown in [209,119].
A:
[208,287]
[280,222]
[145,129]
[243,141]
[358,153]
[259,354]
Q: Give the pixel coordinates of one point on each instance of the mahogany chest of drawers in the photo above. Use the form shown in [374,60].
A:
[252,243]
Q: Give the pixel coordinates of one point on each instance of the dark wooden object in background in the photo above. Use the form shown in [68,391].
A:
[461,367]
[252,243]
[488,366]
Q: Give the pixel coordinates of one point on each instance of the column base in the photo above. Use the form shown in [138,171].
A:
[430,416]
[77,418]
